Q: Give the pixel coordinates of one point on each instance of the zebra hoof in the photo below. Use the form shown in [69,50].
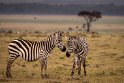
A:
[72,73]
[79,73]
[9,76]
[45,76]
[67,54]
[42,75]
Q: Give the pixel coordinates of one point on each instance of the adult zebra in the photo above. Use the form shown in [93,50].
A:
[34,50]
[80,48]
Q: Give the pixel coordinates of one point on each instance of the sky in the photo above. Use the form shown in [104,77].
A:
[66,1]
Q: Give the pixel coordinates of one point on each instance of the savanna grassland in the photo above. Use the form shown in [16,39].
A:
[105,62]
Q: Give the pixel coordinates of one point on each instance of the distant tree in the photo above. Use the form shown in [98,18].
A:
[10,31]
[90,17]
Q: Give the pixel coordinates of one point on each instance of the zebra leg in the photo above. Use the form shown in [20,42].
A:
[84,65]
[79,67]
[42,67]
[45,68]
[74,64]
[9,64]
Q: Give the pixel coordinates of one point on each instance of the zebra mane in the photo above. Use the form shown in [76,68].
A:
[50,37]
[53,35]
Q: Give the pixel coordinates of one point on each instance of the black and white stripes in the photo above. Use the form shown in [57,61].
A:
[34,50]
[40,50]
[80,48]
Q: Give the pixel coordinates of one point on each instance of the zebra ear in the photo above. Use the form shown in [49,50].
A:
[61,33]
[67,36]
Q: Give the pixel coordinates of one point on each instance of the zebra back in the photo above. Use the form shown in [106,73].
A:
[32,50]
[78,45]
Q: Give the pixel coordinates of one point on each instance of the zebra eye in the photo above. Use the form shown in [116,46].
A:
[60,34]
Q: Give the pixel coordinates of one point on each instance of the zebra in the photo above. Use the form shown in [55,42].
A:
[34,50]
[80,48]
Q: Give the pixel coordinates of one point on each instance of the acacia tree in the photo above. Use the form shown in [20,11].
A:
[90,17]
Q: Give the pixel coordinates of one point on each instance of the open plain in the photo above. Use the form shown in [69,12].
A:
[105,62]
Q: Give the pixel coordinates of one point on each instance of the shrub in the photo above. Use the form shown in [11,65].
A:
[95,35]
[61,58]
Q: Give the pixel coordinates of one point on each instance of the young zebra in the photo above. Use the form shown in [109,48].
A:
[80,48]
[34,50]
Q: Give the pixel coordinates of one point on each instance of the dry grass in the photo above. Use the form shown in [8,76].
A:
[105,62]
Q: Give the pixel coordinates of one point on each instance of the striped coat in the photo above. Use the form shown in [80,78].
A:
[80,48]
[34,50]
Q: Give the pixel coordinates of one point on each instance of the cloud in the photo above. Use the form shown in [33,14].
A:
[66,1]
[21,1]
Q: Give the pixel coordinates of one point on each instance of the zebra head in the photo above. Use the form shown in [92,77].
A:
[71,45]
[57,40]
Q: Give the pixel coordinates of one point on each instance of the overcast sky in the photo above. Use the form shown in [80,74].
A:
[67,1]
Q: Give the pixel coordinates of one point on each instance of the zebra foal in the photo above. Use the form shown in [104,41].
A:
[34,50]
[80,48]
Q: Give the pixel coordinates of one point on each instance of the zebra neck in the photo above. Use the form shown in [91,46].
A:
[51,45]
[47,46]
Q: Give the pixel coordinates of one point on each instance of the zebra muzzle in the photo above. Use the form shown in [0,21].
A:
[67,54]
[63,49]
